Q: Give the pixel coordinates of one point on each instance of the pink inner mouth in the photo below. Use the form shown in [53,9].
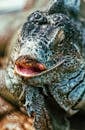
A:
[29,70]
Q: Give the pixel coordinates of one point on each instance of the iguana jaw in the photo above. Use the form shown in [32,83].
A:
[28,68]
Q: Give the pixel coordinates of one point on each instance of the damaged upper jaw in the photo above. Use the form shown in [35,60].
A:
[28,67]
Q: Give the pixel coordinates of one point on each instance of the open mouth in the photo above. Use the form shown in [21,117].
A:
[28,67]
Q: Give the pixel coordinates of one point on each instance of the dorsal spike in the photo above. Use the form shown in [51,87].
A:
[64,6]
[56,6]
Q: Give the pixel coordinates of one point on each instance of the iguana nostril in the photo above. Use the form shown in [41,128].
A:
[37,17]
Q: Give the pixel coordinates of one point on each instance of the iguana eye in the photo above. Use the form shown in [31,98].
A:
[60,36]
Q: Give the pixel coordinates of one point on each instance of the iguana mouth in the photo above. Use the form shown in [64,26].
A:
[28,67]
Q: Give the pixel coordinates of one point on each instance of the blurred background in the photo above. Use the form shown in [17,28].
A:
[12,15]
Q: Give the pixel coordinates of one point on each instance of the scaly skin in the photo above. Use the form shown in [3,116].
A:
[52,38]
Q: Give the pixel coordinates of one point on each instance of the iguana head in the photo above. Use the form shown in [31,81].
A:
[46,40]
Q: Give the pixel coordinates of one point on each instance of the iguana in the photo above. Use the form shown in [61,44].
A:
[46,71]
